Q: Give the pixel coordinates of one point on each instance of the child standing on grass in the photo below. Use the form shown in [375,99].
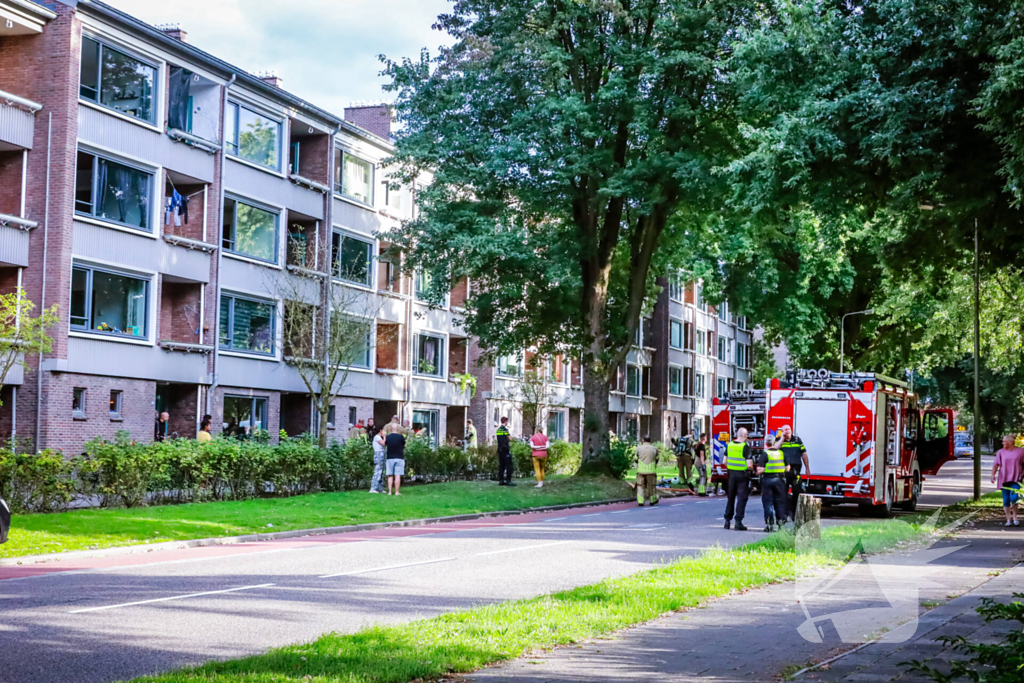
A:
[539,443]
[1007,473]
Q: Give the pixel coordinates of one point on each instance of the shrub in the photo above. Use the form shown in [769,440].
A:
[420,456]
[348,465]
[126,469]
[483,462]
[621,455]
[297,465]
[36,482]
[564,457]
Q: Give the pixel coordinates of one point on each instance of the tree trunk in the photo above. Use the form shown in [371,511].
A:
[323,410]
[595,424]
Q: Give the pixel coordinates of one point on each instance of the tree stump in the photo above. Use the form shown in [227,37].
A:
[808,516]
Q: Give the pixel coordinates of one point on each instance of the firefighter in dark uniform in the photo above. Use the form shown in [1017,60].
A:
[504,439]
[738,461]
[772,468]
[795,455]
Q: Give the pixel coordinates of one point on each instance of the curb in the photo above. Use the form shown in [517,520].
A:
[296,533]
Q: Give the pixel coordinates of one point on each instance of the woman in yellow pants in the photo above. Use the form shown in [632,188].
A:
[539,443]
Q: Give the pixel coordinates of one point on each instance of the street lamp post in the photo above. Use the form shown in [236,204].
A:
[977,353]
[842,333]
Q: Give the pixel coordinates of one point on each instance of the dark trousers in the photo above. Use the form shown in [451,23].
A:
[773,498]
[505,466]
[738,490]
[794,483]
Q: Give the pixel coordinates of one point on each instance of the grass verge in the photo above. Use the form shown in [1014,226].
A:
[465,641]
[90,529]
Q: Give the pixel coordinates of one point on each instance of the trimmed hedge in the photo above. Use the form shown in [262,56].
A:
[126,473]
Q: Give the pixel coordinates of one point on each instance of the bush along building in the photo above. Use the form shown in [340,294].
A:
[202,231]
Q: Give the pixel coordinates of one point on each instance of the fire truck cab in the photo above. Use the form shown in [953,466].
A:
[867,440]
[737,409]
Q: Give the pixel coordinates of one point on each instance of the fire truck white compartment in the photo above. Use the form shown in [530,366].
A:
[822,426]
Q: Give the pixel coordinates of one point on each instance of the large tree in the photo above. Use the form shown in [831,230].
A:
[573,145]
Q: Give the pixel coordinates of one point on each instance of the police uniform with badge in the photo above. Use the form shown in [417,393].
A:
[771,466]
[794,453]
[738,462]
[504,439]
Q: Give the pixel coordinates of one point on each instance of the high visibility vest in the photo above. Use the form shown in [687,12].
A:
[734,459]
[647,468]
[776,462]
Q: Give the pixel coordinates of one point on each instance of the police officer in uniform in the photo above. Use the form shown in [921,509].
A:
[738,461]
[795,455]
[772,468]
[504,438]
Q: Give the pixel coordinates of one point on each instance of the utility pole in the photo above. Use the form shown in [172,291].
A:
[977,352]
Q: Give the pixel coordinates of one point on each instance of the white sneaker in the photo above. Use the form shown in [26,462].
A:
[1016,522]
[539,485]
[374,491]
[1008,524]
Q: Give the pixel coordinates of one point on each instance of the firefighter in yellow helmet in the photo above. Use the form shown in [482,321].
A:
[772,468]
[738,460]
[646,472]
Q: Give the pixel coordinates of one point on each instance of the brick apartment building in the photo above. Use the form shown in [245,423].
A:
[160,196]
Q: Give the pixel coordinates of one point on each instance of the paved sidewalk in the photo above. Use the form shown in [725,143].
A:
[754,637]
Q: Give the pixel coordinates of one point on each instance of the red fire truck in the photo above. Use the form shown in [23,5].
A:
[737,409]
[867,440]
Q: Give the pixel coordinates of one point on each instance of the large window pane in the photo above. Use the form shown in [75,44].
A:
[556,425]
[250,230]
[246,325]
[243,415]
[253,137]
[108,302]
[352,258]
[430,355]
[357,178]
[126,84]
[510,366]
[675,381]
[676,334]
[89,82]
[425,424]
[112,191]
[356,339]
[632,380]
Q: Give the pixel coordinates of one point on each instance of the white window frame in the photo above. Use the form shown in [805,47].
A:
[682,334]
[443,370]
[639,380]
[700,385]
[498,364]
[152,216]
[682,380]
[81,412]
[90,330]
[339,185]
[231,146]
[234,227]
[158,84]
[371,261]
[117,404]
[274,315]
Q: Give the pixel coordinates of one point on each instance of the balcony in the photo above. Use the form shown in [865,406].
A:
[181,317]
[17,121]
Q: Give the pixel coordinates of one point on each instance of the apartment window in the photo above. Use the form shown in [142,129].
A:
[701,338]
[351,257]
[115,404]
[721,388]
[113,191]
[638,338]
[425,424]
[633,429]
[741,322]
[721,349]
[510,366]
[250,230]
[723,311]
[730,353]
[740,386]
[711,342]
[247,324]
[360,334]
[675,380]
[397,198]
[112,78]
[252,136]
[107,302]
[244,414]
[429,354]
[556,424]
[698,296]
[558,371]
[675,335]
[78,402]
[353,177]
[676,288]
[742,355]
[632,380]
[698,385]
[331,416]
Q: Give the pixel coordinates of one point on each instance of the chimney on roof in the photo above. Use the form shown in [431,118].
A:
[374,117]
[173,31]
[270,78]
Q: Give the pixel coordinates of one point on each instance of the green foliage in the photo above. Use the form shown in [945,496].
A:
[984,662]
[466,380]
[21,334]
[125,469]
[621,456]
[349,465]
[36,481]
[764,367]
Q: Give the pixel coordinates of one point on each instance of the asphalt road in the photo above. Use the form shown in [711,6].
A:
[123,617]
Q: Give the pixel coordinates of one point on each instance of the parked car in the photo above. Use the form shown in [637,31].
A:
[963,446]
[5,520]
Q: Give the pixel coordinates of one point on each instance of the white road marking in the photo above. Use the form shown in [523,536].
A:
[555,519]
[619,512]
[382,569]
[596,514]
[173,597]
[525,547]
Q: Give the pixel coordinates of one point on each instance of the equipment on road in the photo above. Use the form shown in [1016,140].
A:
[868,441]
[5,520]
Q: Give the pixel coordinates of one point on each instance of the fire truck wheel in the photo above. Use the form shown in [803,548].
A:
[885,509]
[915,491]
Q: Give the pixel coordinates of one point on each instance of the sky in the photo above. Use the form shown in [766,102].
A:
[325,51]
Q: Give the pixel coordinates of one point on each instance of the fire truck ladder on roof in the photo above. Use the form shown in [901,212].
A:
[823,379]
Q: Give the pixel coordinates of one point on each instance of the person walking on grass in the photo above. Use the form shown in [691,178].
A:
[738,462]
[379,457]
[504,440]
[539,443]
[1008,473]
[646,472]
[772,468]
[394,443]
[700,461]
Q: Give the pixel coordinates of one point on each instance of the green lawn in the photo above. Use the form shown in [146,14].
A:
[88,529]
[465,641]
